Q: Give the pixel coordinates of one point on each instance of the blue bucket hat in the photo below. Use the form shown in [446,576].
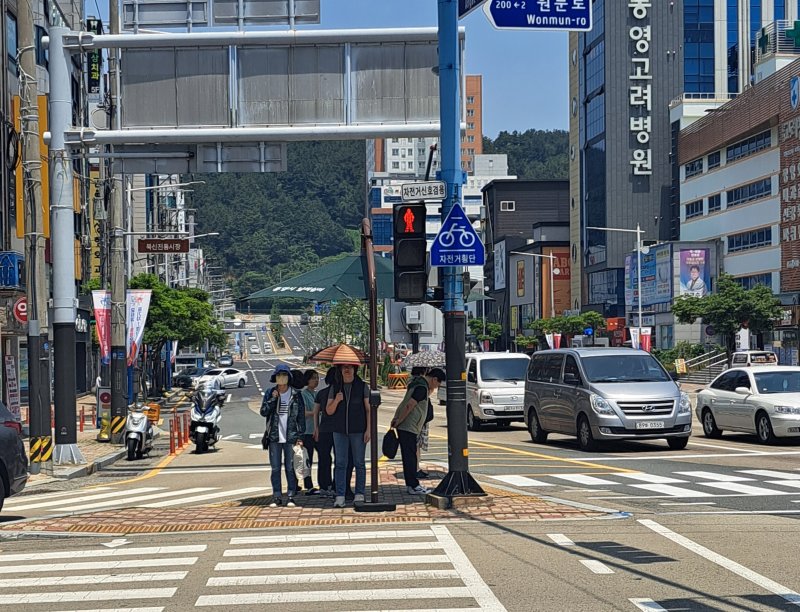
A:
[282,368]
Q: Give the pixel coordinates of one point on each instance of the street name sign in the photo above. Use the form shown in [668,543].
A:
[163,245]
[571,15]
[428,190]
[465,7]
[457,243]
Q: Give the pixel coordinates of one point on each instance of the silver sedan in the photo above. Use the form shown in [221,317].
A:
[761,400]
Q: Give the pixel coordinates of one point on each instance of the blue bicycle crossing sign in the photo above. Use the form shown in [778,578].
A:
[457,243]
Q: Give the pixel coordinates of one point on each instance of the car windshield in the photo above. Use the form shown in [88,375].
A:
[216,372]
[623,368]
[781,381]
[503,369]
[190,371]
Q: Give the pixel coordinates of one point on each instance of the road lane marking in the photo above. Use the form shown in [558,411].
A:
[156,609]
[50,581]
[81,498]
[103,552]
[343,577]
[331,562]
[732,566]
[25,499]
[336,537]
[124,594]
[716,477]
[521,481]
[771,474]
[596,567]
[133,501]
[597,466]
[743,489]
[230,395]
[651,478]
[335,596]
[560,539]
[723,447]
[209,496]
[672,456]
[688,504]
[105,565]
[583,479]
[673,491]
[648,605]
[321,550]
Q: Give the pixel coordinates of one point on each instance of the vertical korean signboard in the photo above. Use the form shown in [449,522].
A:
[789,138]
[94,63]
[640,89]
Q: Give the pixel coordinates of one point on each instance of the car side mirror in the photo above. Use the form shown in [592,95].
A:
[572,379]
[742,390]
[471,378]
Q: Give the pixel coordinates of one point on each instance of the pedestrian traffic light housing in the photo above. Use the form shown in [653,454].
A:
[410,247]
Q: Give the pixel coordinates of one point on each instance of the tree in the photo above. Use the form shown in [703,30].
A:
[730,308]
[492,330]
[570,326]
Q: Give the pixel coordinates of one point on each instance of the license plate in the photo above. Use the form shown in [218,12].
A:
[650,425]
[202,429]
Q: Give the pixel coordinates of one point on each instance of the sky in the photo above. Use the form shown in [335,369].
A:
[525,74]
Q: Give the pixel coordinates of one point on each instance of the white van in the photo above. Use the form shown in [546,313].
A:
[495,388]
[742,359]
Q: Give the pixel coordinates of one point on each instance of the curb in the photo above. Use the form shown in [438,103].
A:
[91,468]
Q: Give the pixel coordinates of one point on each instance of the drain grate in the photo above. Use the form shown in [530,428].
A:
[107,474]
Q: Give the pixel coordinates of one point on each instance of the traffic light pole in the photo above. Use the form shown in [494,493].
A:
[458,482]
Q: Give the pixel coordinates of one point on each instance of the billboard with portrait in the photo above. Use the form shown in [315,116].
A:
[695,277]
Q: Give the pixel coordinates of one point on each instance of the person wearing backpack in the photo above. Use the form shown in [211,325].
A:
[409,420]
[284,411]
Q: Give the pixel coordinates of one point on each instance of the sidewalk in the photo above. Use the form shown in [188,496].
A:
[255,513]
[97,455]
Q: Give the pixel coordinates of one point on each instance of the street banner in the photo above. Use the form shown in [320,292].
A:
[12,387]
[549,338]
[646,339]
[743,339]
[557,341]
[634,337]
[694,272]
[174,351]
[101,301]
[138,304]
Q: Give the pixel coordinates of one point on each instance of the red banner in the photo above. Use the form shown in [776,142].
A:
[102,314]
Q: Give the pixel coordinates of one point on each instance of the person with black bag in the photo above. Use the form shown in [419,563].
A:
[284,411]
[410,418]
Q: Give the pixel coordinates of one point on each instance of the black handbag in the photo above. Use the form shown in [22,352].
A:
[429,417]
[391,442]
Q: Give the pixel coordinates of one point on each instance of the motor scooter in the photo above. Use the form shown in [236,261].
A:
[206,414]
[139,432]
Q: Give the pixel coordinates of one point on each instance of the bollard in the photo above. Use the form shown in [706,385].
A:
[82,418]
[180,433]
[186,427]
[172,436]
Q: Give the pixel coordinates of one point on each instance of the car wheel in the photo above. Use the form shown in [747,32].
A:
[473,422]
[678,443]
[538,435]
[764,429]
[710,429]
[586,440]
[241,383]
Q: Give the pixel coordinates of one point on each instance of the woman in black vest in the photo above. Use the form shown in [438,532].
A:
[348,407]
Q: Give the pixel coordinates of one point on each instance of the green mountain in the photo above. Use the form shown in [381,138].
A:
[533,154]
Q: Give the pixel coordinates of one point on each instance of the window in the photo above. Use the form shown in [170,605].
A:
[750,240]
[714,202]
[725,382]
[751,145]
[551,372]
[11,39]
[470,126]
[410,152]
[503,369]
[536,367]
[713,160]
[694,209]
[571,367]
[594,63]
[750,192]
[470,138]
[470,99]
[595,116]
[382,229]
[694,168]
[395,140]
[420,152]
[508,206]
[395,165]
[754,280]
[470,112]
[395,151]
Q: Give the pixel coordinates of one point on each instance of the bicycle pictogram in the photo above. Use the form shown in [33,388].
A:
[466,239]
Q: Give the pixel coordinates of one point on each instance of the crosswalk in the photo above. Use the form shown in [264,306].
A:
[406,569]
[678,484]
[110,497]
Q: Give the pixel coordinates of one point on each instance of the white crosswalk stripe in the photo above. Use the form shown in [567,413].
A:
[682,484]
[408,565]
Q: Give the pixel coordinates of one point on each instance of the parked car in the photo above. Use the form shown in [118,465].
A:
[187,378]
[225,360]
[604,394]
[228,377]
[304,319]
[13,458]
[495,388]
[764,400]
[741,359]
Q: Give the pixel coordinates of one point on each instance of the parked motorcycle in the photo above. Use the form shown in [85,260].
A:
[139,432]
[206,415]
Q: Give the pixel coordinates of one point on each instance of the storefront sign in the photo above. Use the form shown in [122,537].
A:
[789,182]
[12,387]
[640,90]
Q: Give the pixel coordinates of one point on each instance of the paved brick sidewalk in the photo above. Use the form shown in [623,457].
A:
[254,513]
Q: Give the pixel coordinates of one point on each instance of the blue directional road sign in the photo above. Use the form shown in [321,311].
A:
[457,243]
[572,15]
[465,7]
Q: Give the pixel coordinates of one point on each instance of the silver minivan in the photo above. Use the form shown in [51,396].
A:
[600,394]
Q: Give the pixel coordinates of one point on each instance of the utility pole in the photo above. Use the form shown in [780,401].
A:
[63,250]
[41,441]
[119,356]
[458,482]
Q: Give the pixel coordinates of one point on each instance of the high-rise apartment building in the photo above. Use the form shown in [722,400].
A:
[472,140]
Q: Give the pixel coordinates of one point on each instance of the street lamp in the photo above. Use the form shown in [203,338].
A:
[638,231]
[553,272]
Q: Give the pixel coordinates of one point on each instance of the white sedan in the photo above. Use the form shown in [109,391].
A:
[228,377]
[763,400]
[255,350]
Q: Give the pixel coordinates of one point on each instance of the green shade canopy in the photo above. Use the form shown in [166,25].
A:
[338,280]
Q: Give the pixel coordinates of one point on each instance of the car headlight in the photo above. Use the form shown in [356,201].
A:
[685,404]
[787,410]
[601,405]
[486,398]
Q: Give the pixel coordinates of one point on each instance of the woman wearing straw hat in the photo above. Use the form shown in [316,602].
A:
[348,407]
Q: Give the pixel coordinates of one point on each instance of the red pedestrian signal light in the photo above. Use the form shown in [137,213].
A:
[410,248]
